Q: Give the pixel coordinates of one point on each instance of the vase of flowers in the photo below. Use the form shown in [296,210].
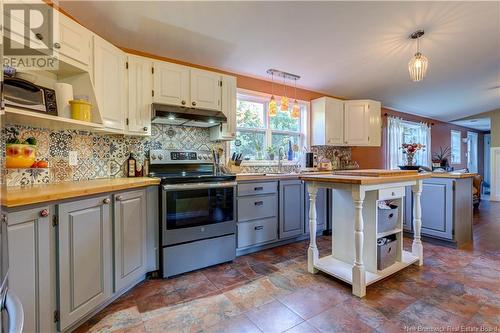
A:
[410,149]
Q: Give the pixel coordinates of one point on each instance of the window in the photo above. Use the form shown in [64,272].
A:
[456,149]
[401,131]
[256,131]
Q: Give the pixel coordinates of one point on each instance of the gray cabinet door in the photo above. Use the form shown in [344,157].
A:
[437,207]
[321,209]
[85,246]
[31,271]
[291,213]
[129,237]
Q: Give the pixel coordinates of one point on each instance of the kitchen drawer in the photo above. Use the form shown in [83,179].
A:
[257,207]
[391,193]
[256,232]
[257,188]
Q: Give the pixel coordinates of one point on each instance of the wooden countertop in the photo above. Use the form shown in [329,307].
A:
[276,176]
[363,180]
[20,196]
[452,175]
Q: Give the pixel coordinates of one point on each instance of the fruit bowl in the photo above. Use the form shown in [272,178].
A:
[19,155]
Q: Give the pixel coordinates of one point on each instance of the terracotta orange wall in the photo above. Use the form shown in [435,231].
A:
[375,157]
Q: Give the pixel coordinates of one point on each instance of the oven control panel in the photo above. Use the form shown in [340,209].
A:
[179,156]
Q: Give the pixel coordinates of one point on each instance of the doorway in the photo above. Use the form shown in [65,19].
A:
[472,152]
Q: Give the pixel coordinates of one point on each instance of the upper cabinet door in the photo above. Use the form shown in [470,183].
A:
[356,116]
[110,87]
[74,41]
[140,85]
[227,131]
[334,112]
[206,90]
[171,84]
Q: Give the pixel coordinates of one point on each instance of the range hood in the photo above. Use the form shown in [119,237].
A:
[176,115]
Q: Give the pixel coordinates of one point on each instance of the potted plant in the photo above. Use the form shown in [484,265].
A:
[258,150]
[270,152]
[410,149]
[441,157]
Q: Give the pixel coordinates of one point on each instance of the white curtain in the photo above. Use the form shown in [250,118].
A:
[424,137]
[394,142]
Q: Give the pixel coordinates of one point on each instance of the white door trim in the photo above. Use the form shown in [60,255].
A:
[495,174]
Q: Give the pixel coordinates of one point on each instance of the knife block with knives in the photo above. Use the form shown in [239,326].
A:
[234,164]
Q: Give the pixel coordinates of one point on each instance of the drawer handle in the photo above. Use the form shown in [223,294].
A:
[258,203]
[44,213]
[259,227]
[259,188]
[119,198]
[393,193]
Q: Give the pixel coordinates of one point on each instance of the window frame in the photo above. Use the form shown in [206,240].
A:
[452,156]
[257,97]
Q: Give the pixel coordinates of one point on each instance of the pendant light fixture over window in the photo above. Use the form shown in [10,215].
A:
[273,108]
[284,103]
[417,66]
[296,108]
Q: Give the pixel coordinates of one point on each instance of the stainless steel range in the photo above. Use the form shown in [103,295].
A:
[197,211]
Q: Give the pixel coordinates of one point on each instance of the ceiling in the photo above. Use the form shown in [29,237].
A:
[348,49]
[481,124]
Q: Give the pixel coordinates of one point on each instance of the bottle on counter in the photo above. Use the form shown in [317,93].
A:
[290,151]
[138,169]
[145,168]
[131,166]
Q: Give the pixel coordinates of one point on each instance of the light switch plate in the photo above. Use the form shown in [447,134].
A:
[73,158]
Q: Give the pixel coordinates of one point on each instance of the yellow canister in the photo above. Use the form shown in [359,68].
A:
[81,110]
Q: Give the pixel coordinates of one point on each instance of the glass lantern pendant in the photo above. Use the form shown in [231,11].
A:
[295,110]
[273,108]
[284,104]
[417,67]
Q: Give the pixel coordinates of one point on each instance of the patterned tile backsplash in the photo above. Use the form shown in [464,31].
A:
[104,156]
[99,155]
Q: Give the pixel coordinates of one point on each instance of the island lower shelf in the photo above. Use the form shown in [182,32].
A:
[343,271]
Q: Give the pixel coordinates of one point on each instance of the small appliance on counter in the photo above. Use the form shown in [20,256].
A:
[197,211]
[24,94]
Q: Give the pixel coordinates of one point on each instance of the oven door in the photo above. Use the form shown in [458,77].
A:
[197,211]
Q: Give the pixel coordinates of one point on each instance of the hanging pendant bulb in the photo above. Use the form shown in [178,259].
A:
[273,108]
[296,107]
[417,67]
[284,99]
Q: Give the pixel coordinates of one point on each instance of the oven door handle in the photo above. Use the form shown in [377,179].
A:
[197,186]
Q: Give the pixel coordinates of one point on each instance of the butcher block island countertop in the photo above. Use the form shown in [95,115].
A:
[355,256]
[21,196]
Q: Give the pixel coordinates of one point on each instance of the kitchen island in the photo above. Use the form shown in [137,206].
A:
[355,198]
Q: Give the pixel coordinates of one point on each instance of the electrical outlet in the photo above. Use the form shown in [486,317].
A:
[73,158]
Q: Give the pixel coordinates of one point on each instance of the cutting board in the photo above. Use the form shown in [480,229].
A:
[375,172]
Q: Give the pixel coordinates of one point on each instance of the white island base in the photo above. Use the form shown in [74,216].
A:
[354,227]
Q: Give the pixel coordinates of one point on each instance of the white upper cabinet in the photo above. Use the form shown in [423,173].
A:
[205,89]
[109,81]
[227,131]
[346,123]
[171,84]
[140,87]
[74,42]
[356,123]
[327,120]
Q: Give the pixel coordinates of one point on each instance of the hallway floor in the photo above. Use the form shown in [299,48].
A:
[271,291]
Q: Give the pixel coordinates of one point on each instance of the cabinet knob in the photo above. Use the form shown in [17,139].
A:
[183,102]
[44,213]
[3,218]
[106,201]
[57,45]
[39,36]
[193,103]
[119,198]
[145,128]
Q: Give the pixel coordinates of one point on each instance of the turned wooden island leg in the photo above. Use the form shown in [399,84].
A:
[312,251]
[358,270]
[417,248]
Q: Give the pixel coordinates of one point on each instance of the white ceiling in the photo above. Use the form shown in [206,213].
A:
[347,49]
[482,124]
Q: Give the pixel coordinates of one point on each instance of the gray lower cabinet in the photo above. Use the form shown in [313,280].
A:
[291,208]
[130,232]
[85,255]
[32,268]
[321,209]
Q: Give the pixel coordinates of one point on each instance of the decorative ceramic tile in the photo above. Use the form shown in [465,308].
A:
[60,143]
[101,147]
[83,145]
[60,170]
[85,169]
[101,169]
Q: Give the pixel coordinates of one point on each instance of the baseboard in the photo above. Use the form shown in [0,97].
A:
[494,197]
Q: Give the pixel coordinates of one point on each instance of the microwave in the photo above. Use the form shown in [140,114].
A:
[27,95]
